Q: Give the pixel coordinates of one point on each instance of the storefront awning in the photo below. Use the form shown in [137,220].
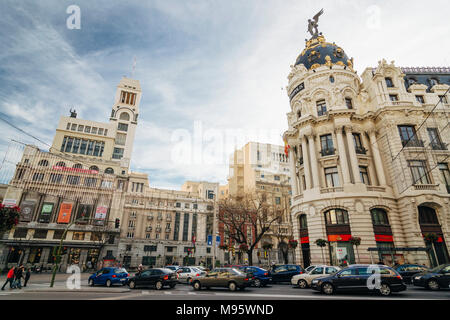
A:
[399,249]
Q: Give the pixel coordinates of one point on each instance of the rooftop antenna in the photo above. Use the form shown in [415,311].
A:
[133,68]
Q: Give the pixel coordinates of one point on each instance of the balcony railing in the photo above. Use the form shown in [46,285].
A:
[438,146]
[360,150]
[327,152]
[425,186]
[413,143]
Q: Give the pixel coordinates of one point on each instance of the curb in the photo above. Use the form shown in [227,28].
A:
[78,290]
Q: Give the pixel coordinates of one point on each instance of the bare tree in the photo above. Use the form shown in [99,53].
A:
[247,218]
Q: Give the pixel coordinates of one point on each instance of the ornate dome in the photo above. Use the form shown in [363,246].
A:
[318,52]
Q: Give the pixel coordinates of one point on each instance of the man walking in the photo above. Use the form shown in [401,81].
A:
[18,275]
[10,278]
[27,277]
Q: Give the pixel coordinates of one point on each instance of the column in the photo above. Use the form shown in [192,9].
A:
[293,172]
[353,157]
[315,183]
[342,156]
[306,167]
[377,158]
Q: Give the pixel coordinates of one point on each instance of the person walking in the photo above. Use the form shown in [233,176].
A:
[27,277]
[10,278]
[18,276]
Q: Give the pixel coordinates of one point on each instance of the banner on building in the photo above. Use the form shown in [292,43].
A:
[26,210]
[100,215]
[9,202]
[84,212]
[65,211]
[46,212]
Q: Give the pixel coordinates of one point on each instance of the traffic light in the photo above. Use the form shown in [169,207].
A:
[117,223]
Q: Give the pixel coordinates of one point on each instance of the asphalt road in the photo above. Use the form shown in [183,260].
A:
[37,291]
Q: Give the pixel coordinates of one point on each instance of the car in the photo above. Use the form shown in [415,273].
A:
[356,278]
[173,268]
[230,278]
[259,275]
[309,268]
[186,274]
[434,279]
[109,276]
[284,272]
[407,271]
[304,280]
[157,277]
[202,268]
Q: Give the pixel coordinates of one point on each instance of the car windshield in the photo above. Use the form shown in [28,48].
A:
[236,272]
[438,268]
[120,270]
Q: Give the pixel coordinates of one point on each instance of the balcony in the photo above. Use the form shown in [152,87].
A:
[327,152]
[425,186]
[360,150]
[331,189]
[438,146]
[158,229]
[413,143]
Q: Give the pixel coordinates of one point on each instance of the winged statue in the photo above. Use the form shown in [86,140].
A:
[313,24]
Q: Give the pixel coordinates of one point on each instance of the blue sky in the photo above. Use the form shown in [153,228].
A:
[220,64]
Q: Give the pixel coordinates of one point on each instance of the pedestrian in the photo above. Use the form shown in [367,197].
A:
[27,277]
[140,269]
[18,276]
[10,278]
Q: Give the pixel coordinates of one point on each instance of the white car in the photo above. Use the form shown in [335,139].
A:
[304,280]
[186,274]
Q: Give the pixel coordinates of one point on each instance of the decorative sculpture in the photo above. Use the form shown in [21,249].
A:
[313,24]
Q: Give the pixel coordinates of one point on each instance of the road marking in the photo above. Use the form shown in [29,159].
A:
[167,292]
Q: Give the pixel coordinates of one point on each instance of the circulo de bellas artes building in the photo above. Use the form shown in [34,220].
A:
[370,159]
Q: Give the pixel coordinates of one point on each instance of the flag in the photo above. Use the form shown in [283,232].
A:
[286,148]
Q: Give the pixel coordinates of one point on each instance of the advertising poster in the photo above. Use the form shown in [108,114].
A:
[9,202]
[100,215]
[64,212]
[84,213]
[46,212]
[26,210]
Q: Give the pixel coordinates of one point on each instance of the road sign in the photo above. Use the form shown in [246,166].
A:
[209,242]
[217,241]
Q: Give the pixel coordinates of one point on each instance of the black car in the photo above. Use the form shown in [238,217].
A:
[434,279]
[158,277]
[356,278]
[407,271]
[284,272]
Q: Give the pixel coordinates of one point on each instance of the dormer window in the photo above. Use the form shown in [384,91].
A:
[348,103]
[411,81]
[389,82]
[433,81]
[321,108]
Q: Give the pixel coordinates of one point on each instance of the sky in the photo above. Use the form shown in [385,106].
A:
[213,73]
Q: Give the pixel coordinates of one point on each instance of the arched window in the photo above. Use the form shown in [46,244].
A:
[433,81]
[303,221]
[109,170]
[427,215]
[77,166]
[43,163]
[379,217]
[125,116]
[95,168]
[61,164]
[336,216]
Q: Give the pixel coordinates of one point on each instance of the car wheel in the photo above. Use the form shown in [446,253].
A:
[385,289]
[232,286]
[108,283]
[432,284]
[91,282]
[257,283]
[302,284]
[132,285]
[327,288]
[197,285]
[159,285]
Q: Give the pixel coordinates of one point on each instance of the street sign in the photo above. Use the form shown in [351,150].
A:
[209,242]
[217,241]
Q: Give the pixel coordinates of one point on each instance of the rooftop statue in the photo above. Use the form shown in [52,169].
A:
[313,24]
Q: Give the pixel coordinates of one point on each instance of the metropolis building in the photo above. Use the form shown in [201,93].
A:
[369,158]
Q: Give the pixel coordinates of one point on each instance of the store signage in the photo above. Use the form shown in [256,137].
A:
[339,237]
[296,90]
[26,210]
[341,253]
[384,238]
[9,202]
[46,212]
[75,170]
[65,211]
[304,240]
[100,215]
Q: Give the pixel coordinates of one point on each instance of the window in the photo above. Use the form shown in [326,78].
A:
[420,99]
[100,131]
[186,205]
[124,116]
[408,136]
[121,139]
[69,144]
[94,130]
[393,97]
[185,226]
[445,173]
[58,234]
[20,233]
[336,216]
[332,177]
[150,248]
[348,103]
[277,200]
[78,236]
[73,180]
[277,178]
[43,163]
[55,178]
[178,205]
[358,144]
[379,217]
[122,127]
[90,148]
[38,177]
[389,82]
[303,222]
[443,99]
[80,128]
[77,166]
[419,172]
[118,153]
[427,215]
[90,182]
[94,168]
[68,126]
[433,81]
[83,146]
[61,164]
[364,175]
[321,108]
[109,170]
[435,140]
[326,143]
[87,129]
[74,127]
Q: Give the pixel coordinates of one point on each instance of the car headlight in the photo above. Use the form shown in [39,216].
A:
[418,277]
[315,281]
